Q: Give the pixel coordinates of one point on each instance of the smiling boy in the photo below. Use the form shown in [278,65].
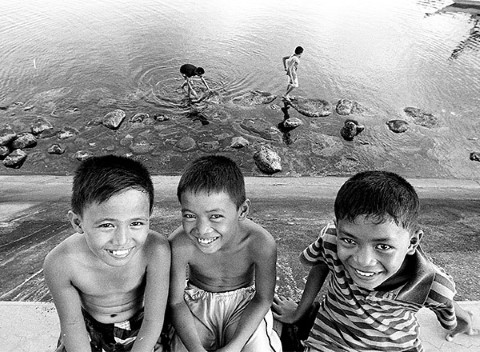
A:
[231,263]
[109,280]
[379,276]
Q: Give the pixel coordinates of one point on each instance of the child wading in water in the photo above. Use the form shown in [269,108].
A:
[290,64]
[188,71]
[109,280]
[379,276]
[231,263]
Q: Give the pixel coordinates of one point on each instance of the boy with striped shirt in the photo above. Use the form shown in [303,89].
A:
[379,276]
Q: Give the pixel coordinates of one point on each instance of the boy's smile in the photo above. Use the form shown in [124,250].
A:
[116,229]
[210,219]
[372,253]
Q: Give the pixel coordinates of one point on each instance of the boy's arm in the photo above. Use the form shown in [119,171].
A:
[191,87]
[205,82]
[181,315]
[286,311]
[464,323]
[67,301]
[156,292]
[284,61]
[264,254]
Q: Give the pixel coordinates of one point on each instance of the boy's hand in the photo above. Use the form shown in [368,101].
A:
[463,327]
[284,309]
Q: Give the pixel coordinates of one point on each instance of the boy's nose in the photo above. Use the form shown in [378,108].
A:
[365,257]
[203,227]
[121,236]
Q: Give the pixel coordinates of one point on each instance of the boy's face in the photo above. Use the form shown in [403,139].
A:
[373,253]
[211,220]
[116,229]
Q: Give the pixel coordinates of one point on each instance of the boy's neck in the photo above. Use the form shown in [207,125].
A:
[400,278]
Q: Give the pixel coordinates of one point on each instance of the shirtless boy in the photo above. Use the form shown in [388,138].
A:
[225,305]
[188,71]
[290,64]
[109,280]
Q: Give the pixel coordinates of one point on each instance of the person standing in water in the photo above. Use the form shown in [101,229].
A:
[188,71]
[290,64]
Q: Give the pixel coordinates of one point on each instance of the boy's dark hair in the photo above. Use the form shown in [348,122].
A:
[199,71]
[298,50]
[380,196]
[213,173]
[99,178]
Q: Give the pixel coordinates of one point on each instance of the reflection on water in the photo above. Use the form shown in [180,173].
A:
[386,54]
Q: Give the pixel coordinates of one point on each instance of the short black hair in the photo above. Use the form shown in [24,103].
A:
[199,71]
[100,177]
[379,196]
[213,173]
[298,50]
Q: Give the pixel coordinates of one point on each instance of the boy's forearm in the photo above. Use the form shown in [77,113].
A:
[251,318]
[75,337]
[148,335]
[316,278]
[185,327]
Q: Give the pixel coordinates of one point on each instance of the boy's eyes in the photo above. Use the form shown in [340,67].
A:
[383,247]
[107,225]
[189,216]
[216,216]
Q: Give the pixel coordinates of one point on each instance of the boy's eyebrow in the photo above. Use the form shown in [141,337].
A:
[383,239]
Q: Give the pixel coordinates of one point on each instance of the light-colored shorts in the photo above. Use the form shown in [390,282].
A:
[293,83]
[216,318]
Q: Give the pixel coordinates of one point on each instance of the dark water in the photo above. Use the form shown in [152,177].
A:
[386,54]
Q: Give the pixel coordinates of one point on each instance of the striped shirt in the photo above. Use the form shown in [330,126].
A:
[352,318]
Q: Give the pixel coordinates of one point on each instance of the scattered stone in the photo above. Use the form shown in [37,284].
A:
[421,117]
[397,126]
[110,148]
[127,140]
[139,117]
[67,132]
[345,107]
[15,159]
[259,127]
[56,149]
[82,155]
[185,143]
[24,140]
[95,121]
[267,160]
[141,146]
[7,134]
[41,125]
[4,151]
[350,129]
[113,119]
[292,122]
[239,142]
[475,156]
[255,97]
[311,107]
[209,146]
[161,118]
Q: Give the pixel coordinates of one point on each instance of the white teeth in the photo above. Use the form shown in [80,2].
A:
[120,253]
[206,240]
[362,273]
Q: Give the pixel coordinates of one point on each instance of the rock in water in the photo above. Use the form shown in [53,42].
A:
[24,140]
[56,149]
[397,126]
[7,134]
[421,117]
[345,107]
[475,156]
[40,126]
[15,159]
[267,161]
[113,119]
[292,122]
[311,107]
[4,151]
[239,142]
[351,129]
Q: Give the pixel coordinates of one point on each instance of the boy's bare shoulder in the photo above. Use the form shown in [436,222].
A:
[257,234]
[156,242]
[66,252]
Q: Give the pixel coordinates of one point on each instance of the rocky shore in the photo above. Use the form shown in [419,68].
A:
[266,135]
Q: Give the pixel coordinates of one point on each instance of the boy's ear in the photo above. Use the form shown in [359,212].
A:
[244,209]
[76,221]
[414,241]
